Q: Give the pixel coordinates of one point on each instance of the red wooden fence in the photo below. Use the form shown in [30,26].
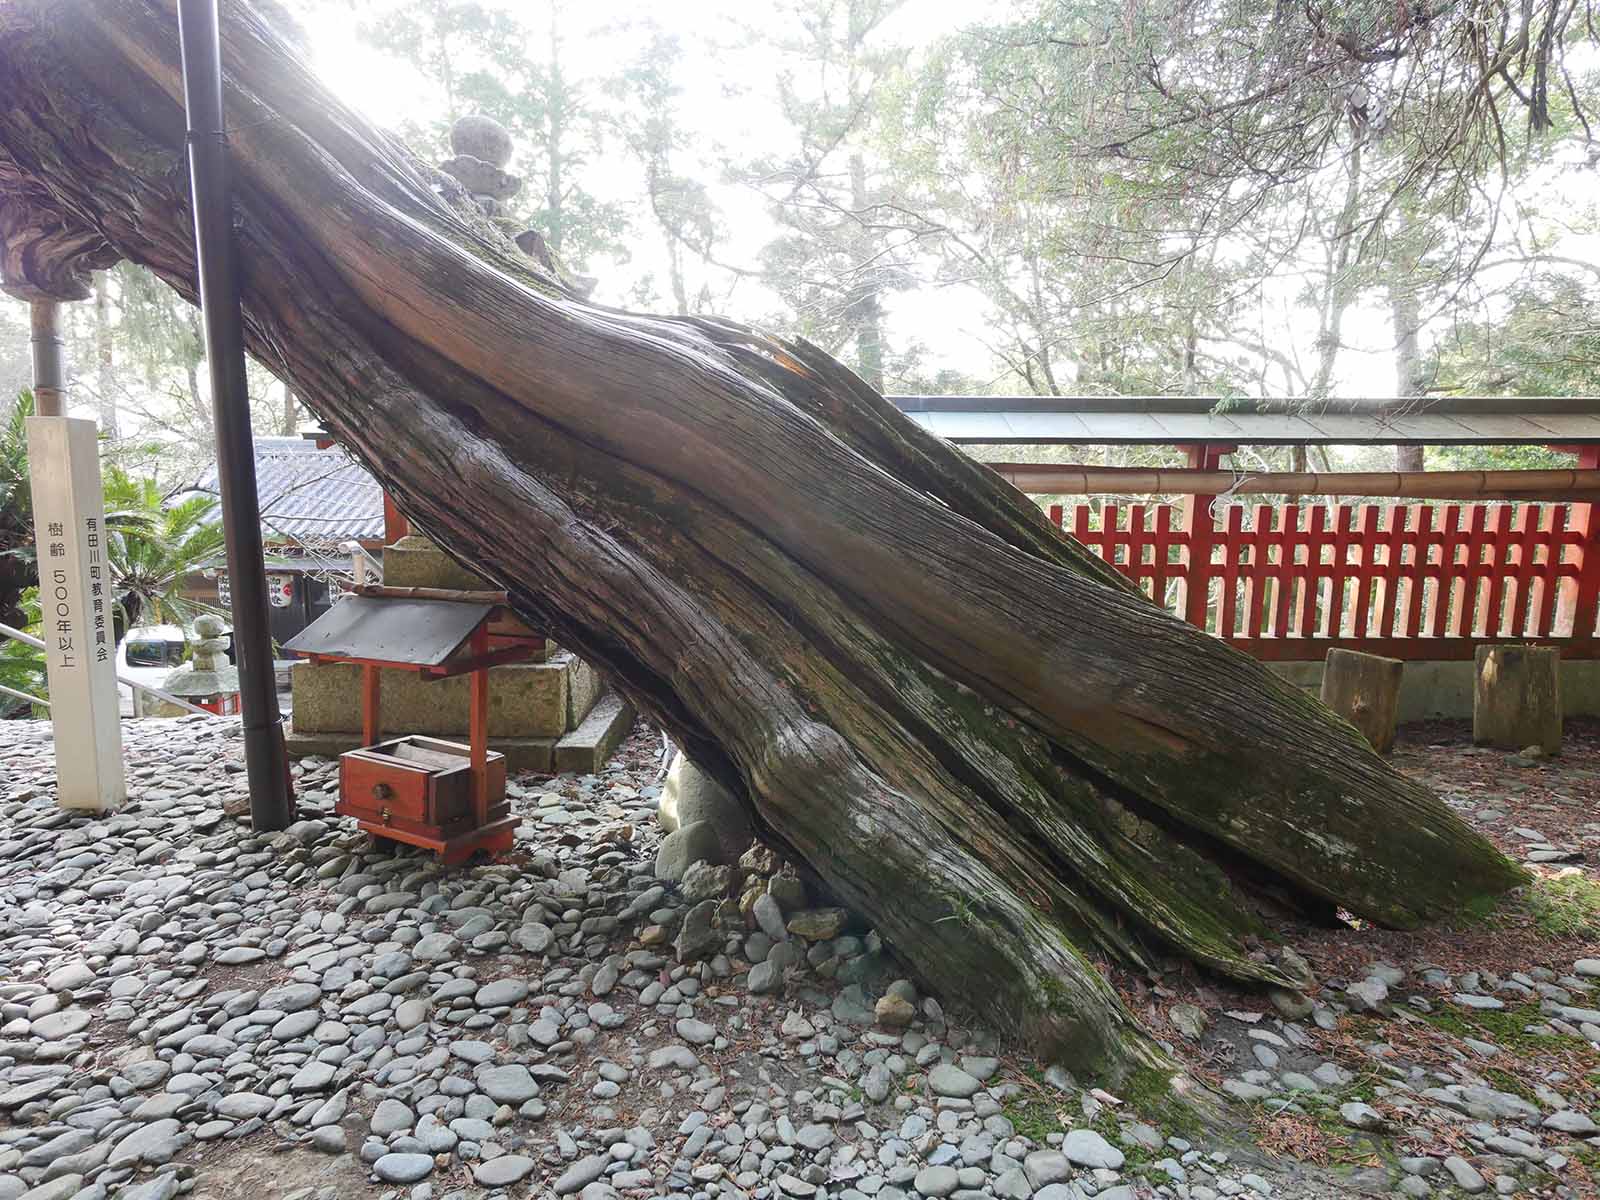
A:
[1415,581]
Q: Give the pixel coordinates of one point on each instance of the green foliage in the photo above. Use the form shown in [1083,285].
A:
[22,667]
[1505,1027]
[848,226]
[479,56]
[152,554]
[18,567]
[1544,342]
[1565,906]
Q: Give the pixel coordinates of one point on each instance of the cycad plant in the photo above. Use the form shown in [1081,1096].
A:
[150,560]
[18,570]
[21,666]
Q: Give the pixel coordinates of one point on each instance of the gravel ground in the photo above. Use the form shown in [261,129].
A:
[186,1008]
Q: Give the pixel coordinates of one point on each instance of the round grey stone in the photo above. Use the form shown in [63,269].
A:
[403,1168]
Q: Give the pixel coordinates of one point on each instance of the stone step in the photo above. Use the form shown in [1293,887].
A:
[587,747]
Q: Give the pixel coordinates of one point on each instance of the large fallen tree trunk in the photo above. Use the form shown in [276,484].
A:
[968,726]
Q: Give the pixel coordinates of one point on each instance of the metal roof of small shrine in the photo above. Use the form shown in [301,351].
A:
[1166,420]
[420,632]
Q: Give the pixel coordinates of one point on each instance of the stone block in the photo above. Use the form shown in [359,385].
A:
[584,689]
[414,561]
[525,700]
[587,747]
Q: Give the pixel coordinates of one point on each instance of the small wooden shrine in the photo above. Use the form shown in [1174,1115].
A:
[441,795]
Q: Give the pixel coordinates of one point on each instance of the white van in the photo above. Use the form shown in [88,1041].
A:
[147,654]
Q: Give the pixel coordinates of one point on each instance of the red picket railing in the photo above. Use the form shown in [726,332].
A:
[1415,581]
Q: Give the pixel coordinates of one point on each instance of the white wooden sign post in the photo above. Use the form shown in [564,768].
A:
[75,601]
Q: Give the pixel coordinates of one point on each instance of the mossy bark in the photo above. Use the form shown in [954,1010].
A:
[973,730]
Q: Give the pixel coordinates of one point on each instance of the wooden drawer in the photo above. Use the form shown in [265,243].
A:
[374,786]
[417,783]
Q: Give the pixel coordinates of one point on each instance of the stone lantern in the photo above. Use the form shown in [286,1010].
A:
[207,679]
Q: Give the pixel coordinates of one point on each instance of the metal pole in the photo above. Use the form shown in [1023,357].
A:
[266,763]
[48,373]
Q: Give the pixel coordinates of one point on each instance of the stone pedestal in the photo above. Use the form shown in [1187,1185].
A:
[541,714]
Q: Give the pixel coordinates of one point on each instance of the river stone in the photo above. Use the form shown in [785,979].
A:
[769,916]
[154,1143]
[695,842]
[61,1024]
[435,947]
[28,1092]
[403,1168]
[689,795]
[241,1106]
[1464,1174]
[483,138]
[1087,1148]
[392,1116]
[534,937]
[72,976]
[312,1077]
[818,924]
[501,993]
[947,1079]
[1044,1167]
[502,1171]
[1360,1116]
[1570,1120]
[580,1173]
[1188,1020]
[764,977]
[511,1084]
[698,937]
[163,1187]
[291,997]
[937,1181]
[62,1187]
[1369,995]
[696,1033]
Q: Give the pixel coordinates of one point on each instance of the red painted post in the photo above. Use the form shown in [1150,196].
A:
[1199,531]
[1578,602]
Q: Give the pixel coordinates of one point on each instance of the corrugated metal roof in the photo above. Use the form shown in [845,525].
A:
[1163,420]
[310,495]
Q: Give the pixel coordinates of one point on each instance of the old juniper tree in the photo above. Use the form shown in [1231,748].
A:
[967,726]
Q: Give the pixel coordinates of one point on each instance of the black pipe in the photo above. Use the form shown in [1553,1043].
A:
[266,763]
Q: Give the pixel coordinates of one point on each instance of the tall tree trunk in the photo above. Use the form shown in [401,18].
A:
[105,382]
[1406,316]
[969,727]
[866,297]
[555,137]
[1341,278]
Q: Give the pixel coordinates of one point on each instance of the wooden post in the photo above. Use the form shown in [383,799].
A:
[1364,689]
[395,525]
[1516,698]
[479,726]
[1200,533]
[371,724]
